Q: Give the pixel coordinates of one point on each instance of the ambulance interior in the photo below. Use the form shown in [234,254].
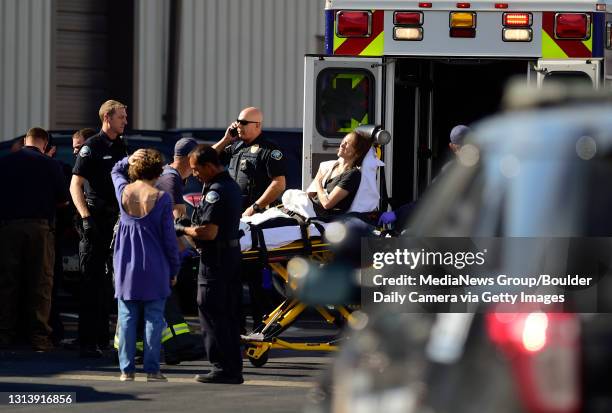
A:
[431,96]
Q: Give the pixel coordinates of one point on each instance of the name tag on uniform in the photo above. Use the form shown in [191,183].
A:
[107,157]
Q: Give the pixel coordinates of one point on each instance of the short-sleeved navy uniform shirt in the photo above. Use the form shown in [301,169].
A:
[253,166]
[170,182]
[347,180]
[94,162]
[37,185]
[220,205]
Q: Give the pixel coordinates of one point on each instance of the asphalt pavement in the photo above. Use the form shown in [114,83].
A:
[286,383]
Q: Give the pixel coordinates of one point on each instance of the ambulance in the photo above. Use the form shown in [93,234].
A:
[418,68]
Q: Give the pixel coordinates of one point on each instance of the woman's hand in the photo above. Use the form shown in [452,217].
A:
[138,155]
[173,281]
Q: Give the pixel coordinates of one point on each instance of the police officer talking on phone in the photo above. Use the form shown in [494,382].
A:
[215,226]
[258,166]
[93,195]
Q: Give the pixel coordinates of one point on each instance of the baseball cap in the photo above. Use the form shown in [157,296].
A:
[184,145]
[458,133]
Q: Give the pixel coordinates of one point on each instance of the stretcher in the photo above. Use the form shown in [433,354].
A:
[266,336]
[276,246]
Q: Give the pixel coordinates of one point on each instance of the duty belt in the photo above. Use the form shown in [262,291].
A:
[232,243]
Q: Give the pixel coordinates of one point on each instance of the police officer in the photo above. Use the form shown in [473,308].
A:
[94,198]
[27,214]
[215,230]
[257,165]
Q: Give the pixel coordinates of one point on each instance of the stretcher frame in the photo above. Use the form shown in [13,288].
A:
[266,336]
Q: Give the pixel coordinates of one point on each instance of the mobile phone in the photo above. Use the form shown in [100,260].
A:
[233,132]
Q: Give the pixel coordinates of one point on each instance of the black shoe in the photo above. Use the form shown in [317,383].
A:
[90,353]
[218,378]
[172,359]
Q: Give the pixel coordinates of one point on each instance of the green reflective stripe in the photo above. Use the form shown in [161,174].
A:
[166,335]
[139,346]
[180,328]
[116,341]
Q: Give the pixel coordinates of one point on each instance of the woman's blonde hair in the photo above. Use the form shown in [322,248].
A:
[150,166]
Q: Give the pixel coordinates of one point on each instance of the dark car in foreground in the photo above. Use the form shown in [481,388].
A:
[530,174]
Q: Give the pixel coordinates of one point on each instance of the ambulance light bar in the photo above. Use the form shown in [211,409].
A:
[353,23]
[408,18]
[517,35]
[517,19]
[575,26]
[408,33]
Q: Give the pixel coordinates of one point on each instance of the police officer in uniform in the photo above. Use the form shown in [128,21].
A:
[215,229]
[257,165]
[93,195]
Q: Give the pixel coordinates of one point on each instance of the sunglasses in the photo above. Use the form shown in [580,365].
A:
[244,122]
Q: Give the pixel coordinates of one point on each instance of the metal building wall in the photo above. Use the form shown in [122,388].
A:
[25,65]
[236,53]
[151,32]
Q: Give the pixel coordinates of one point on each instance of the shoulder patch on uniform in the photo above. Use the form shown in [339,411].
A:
[276,155]
[84,152]
[212,197]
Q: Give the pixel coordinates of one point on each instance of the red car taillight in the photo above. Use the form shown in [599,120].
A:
[572,26]
[544,351]
[353,23]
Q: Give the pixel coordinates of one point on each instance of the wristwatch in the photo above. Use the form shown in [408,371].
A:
[257,208]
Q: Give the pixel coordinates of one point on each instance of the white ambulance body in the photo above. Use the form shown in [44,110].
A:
[420,68]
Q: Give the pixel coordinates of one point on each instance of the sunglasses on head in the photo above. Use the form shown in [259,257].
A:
[245,122]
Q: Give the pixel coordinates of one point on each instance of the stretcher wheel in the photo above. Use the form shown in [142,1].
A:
[259,362]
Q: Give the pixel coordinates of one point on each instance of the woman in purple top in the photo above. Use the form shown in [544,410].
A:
[145,258]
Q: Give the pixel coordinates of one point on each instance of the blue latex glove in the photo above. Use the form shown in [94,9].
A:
[387,218]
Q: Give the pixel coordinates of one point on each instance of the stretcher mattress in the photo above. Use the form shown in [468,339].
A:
[277,237]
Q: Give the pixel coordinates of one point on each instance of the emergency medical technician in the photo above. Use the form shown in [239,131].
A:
[258,166]
[94,197]
[215,229]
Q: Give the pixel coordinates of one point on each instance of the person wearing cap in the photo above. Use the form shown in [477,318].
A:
[174,174]
[400,215]
[457,136]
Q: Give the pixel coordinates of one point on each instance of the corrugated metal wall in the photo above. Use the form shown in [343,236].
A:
[237,53]
[234,53]
[25,62]
[150,63]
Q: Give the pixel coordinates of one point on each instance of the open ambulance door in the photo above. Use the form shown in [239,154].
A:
[340,93]
[587,71]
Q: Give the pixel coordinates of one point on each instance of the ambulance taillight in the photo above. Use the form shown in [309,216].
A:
[463,24]
[574,26]
[353,23]
[517,27]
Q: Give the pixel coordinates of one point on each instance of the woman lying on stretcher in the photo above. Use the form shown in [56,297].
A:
[334,189]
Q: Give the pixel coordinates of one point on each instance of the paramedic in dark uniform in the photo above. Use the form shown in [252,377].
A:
[94,198]
[258,166]
[215,229]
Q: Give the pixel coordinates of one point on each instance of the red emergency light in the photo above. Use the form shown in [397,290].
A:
[353,23]
[517,19]
[425,5]
[463,5]
[576,26]
[501,5]
[408,18]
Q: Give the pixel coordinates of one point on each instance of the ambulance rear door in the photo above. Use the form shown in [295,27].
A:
[340,93]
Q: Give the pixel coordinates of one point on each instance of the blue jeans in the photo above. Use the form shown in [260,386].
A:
[128,314]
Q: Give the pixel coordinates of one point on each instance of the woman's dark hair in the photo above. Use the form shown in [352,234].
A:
[149,167]
[362,146]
